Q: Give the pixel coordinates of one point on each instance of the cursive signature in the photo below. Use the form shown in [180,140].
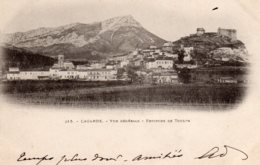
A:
[215,152]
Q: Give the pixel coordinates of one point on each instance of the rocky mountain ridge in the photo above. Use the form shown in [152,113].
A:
[119,34]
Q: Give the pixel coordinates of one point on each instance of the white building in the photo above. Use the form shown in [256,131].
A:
[171,55]
[229,80]
[153,47]
[68,65]
[98,74]
[167,47]
[67,75]
[187,53]
[28,75]
[124,63]
[111,66]
[164,64]
[14,69]
[189,66]
[165,78]
[97,65]
[82,67]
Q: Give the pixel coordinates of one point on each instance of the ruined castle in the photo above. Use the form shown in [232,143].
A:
[231,33]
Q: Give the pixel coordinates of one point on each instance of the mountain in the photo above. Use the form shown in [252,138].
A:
[18,57]
[213,45]
[81,41]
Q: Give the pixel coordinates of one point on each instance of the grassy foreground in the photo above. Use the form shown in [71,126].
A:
[117,93]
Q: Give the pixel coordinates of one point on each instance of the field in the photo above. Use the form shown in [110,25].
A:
[122,93]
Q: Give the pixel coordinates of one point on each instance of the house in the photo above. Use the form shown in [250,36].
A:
[152,47]
[137,62]
[27,75]
[229,80]
[13,76]
[14,69]
[98,74]
[82,67]
[189,66]
[97,65]
[174,56]
[146,52]
[124,63]
[167,47]
[124,77]
[68,65]
[165,78]
[54,72]
[225,59]
[160,63]
[110,66]
[135,52]
[67,74]
[119,58]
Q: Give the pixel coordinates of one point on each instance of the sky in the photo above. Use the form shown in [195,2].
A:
[169,19]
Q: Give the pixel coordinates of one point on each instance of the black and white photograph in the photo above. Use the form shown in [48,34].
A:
[98,55]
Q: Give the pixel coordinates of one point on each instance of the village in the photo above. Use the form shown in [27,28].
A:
[168,64]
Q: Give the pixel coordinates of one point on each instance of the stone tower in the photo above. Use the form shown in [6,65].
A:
[61,61]
[231,33]
[200,31]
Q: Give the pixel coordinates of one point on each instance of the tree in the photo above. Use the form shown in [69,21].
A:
[181,56]
[120,72]
[184,75]
[131,72]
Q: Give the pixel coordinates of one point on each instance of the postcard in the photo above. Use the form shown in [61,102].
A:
[129,82]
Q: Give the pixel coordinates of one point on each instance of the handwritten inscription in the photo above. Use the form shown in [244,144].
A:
[176,154]
[169,155]
[38,160]
[215,153]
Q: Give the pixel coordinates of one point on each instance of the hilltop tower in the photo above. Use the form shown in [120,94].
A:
[200,31]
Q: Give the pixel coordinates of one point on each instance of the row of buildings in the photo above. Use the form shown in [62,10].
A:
[158,71]
[63,70]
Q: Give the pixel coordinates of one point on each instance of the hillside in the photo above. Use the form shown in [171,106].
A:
[212,45]
[83,41]
[12,56]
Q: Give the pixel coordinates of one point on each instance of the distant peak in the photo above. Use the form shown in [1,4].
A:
[116,22]
[130,17]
